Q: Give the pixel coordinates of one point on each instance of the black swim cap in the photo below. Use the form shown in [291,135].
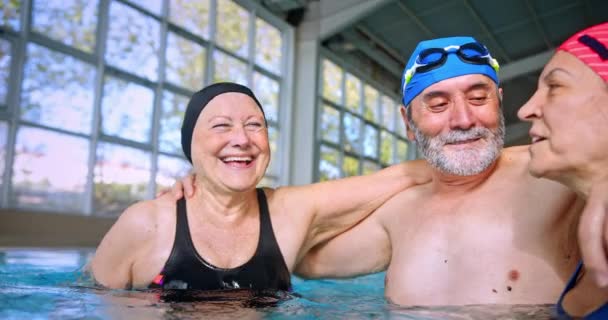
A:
[199,101]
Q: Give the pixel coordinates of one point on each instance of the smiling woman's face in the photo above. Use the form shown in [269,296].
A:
[569,116]
[230,149]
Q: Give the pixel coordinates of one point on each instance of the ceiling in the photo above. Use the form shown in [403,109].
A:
[521,34]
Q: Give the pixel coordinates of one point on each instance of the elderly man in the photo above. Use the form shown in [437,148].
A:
[483,231]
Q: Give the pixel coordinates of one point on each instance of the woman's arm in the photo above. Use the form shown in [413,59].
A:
[115,255]
[363,249]
[332,207]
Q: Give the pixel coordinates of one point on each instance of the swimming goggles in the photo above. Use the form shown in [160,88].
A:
[431,58]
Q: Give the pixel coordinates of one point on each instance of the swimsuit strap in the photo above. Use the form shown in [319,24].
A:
[571,283]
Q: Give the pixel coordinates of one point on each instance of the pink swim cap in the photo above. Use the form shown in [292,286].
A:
[591,47]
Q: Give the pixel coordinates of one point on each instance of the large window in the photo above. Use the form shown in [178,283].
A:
[360,128]
[93,92]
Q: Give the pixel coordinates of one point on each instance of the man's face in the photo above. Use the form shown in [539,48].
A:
[458,124]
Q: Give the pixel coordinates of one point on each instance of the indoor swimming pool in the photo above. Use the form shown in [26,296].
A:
[49,284]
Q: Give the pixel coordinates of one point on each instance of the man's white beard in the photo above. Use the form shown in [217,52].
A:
[466,161]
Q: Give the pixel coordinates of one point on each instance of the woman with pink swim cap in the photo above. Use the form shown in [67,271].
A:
[569,116]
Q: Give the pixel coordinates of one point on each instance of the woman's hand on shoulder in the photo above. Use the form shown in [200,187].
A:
[181,188]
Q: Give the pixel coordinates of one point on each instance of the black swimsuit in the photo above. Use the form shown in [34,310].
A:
[186,269]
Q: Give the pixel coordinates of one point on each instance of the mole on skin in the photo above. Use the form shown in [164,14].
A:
[513,275]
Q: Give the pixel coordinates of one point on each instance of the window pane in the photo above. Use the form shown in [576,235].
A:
[386,147]
[268,46]
[191,15]
[350,167]
[353,93]
[330,124]
[232,27]
[228,68]
[50,170]
[174,107]
[273,139]
[370,110]
[10,10]
[5,69]
[329,168]
[389,112]
[370,167]
[3,138]
[133,41]
[370,142]
[121,178]
[352,133]
[332,82]
[170,169]
[126,110]
[154,6]
[267,92]
[401,150]
[400,127]
[58,90]
[72,22]
[185,62]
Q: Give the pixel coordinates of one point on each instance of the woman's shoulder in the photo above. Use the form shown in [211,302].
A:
[146,215]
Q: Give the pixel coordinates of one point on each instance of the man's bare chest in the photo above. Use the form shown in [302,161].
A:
[473,253]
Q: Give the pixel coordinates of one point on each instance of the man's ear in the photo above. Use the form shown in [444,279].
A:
[408,128]
[500,93]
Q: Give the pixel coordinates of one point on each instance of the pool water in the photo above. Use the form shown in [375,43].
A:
[49,284]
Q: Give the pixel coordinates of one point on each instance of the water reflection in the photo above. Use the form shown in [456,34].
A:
[41,284]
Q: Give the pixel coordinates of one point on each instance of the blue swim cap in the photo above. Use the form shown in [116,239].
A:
[453,67]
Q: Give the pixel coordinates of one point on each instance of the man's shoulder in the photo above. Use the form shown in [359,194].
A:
[515,161]
[517,155]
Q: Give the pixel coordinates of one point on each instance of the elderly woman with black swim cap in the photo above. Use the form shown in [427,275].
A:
[569,116]
[230,234]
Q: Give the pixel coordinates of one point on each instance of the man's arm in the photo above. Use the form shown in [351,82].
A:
[365,248]
[115,255]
